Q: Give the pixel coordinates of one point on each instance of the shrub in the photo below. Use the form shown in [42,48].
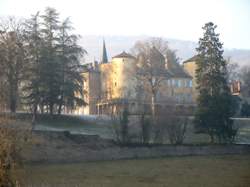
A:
[120,126]
[176,130]
[146,129]
[10,147]
[245,110]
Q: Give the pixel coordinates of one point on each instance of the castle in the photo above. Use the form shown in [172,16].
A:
[111,85]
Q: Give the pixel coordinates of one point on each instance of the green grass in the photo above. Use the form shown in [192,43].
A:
[200,171]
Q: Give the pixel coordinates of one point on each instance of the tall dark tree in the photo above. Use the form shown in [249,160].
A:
[50,68]
[69,53]
[54,77]
[33,72]
[214,101]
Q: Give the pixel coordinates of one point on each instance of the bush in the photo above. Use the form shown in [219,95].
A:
[245,110]
[176,129]
[171,127]
[146,129]
[10,147]
[120,126]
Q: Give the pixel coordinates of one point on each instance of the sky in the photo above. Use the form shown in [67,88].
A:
[178,19]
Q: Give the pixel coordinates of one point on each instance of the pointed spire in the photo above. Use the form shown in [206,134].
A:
[104,53]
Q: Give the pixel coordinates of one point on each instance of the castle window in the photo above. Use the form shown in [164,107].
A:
[179,83]
[190,84]
[169,82]
[173,82]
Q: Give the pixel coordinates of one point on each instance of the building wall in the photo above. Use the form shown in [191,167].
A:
[190,67]
[94,91]
[114,84]
[117,79]
[91,87]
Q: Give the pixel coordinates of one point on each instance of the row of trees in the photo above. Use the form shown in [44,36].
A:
[150,75]
[169,127]
[40,56]
[215,104]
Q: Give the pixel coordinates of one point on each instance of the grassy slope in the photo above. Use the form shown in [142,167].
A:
[217,171]
[103,127]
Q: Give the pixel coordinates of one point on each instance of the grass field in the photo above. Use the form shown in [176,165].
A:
[103,127]
[200,171]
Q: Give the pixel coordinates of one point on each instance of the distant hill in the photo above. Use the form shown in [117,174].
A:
[117,44]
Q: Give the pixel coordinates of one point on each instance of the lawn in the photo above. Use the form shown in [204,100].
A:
[200,171]
[102,126]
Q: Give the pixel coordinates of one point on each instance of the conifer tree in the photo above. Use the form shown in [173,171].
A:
[33,79]
[54,77]
[71,80]
[50,63]
[214,101]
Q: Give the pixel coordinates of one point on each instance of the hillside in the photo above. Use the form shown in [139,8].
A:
[117,44]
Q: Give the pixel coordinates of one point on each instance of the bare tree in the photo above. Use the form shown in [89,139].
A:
[13,137]
[146,45]
[245,79]
[150,70]
[145,129]
[120,127]
[233,73]
[12,55]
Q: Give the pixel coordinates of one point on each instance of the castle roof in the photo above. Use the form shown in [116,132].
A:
[192,59]
[104,53]
[179,72]
[124,55]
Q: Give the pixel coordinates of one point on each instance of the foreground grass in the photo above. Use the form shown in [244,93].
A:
[200,171]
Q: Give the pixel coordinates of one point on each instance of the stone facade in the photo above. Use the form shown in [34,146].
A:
[190,67]
[111,86]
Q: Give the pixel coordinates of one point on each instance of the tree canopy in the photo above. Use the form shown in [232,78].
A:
[40,56]
[214,101]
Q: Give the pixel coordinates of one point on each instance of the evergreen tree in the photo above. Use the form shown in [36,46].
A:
[50,64]
[214,101]
[54,77]
[33,72]
[69,53]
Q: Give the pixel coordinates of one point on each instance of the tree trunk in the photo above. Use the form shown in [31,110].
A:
[13,98]
[51,105]
[42,108]
[12,104]
[211,138]
[153,107]
[60,106]
[34,117]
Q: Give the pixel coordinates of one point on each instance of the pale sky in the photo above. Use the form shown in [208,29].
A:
[179,19]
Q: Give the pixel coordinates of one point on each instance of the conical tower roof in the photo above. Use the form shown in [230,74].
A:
[104,53]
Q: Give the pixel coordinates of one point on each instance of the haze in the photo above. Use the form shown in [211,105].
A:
[172,19]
